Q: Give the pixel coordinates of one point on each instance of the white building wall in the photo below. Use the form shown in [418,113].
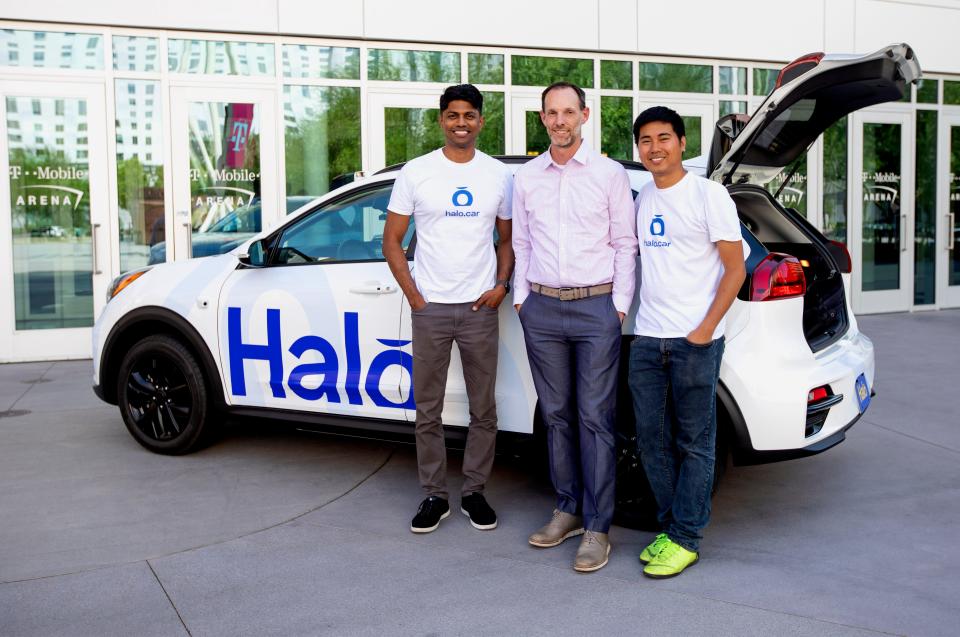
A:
[762,30]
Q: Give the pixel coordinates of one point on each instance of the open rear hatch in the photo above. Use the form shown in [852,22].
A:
[811,94]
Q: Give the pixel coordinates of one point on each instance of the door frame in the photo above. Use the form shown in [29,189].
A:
[178,216]
[60,343]
[705,110]
[377,101]
[520,102]
[900,299]
[946,295]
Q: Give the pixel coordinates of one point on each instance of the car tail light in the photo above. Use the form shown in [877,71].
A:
[798,67]
[778,276]
[842,256]
[817,394]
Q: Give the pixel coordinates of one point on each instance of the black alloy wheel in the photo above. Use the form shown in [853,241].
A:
[163,396]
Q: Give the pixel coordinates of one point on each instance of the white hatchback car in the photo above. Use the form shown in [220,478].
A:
[305,323]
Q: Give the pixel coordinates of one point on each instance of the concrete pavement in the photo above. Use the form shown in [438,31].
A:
[279,532]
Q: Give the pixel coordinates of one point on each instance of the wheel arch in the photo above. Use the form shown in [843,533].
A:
[150,320]
[731,423]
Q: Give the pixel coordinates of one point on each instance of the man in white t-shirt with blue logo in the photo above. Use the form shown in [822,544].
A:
[456,196]
[691,268]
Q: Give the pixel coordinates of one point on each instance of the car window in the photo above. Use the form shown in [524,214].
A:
[348,229]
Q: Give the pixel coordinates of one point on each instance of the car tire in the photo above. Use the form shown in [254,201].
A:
[163,398]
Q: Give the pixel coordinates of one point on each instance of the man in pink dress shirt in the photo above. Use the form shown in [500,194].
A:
[575,240]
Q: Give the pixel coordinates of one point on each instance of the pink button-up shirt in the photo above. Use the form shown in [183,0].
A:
[574,225]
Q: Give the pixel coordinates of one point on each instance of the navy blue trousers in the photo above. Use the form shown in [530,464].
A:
[574,352]
[674,387]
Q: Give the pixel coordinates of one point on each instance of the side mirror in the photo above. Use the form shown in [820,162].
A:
[256,255]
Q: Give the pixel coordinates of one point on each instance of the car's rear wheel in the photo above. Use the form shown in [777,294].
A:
[162,394]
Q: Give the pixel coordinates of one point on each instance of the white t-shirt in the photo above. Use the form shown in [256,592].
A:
[680,266]
[453,206]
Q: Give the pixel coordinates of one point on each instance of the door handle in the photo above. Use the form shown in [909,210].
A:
[93,244]
[373,287]
[903,233]
[951,236]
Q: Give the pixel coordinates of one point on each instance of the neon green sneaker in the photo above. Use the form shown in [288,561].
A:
[654,547]
[670,561]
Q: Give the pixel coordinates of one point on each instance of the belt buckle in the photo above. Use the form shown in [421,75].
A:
[567,294]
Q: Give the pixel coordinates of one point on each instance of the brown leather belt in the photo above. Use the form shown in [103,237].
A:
[572,294]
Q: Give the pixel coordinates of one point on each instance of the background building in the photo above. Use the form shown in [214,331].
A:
[136,133]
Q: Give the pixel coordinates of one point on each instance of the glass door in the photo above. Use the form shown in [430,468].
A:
[882,213]
[402,126]
[529,135]
[224,168]
[54,218]
[948,226]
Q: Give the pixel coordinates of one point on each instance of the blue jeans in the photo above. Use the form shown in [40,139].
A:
[574,353]
[674,387]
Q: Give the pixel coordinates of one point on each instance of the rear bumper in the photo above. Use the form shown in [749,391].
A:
[749,457]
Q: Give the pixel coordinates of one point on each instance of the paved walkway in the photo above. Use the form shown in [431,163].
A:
[278,532]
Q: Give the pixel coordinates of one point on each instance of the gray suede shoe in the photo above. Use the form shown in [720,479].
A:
[559,528]
[593,553]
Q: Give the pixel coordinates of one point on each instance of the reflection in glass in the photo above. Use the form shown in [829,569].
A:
[733,80]
[686,78]
[928,91]
[692,131]
[537,139]
[881,207]
[413,66]
[728,106]
[411,132]
[764,80]
[51,49]
[491,139]
[133,53]
[484,68]
[835,181]
[529,70]
[616,74]
[616,124]
[337,62]
[220,58]
[953,266]
[925,205]
[321,137]
[794,194]
[50,215]
[224,174]
[139,171]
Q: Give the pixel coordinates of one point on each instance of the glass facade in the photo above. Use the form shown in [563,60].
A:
[682,78]
[51,50]
[140,193]
[220,58]
[321,139]
[881,240]
[52,251]
[413,66]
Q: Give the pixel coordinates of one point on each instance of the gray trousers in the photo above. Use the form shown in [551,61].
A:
[435,328]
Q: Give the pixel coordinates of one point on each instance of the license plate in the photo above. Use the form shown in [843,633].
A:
[863,392]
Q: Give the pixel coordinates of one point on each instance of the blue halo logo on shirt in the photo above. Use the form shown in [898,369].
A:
[462,197]
[656,226]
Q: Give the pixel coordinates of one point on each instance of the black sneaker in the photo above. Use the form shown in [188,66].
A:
[428,516]
[475,507]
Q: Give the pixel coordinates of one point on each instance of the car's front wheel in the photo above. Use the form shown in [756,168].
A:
[163,396]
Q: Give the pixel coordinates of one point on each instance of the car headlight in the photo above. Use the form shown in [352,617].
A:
[122,281]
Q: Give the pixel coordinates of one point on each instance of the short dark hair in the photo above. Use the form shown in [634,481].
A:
[659,114]
[466,92]
[576,89]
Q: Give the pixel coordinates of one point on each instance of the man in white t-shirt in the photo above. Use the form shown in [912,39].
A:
[456,196]
[691,268]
